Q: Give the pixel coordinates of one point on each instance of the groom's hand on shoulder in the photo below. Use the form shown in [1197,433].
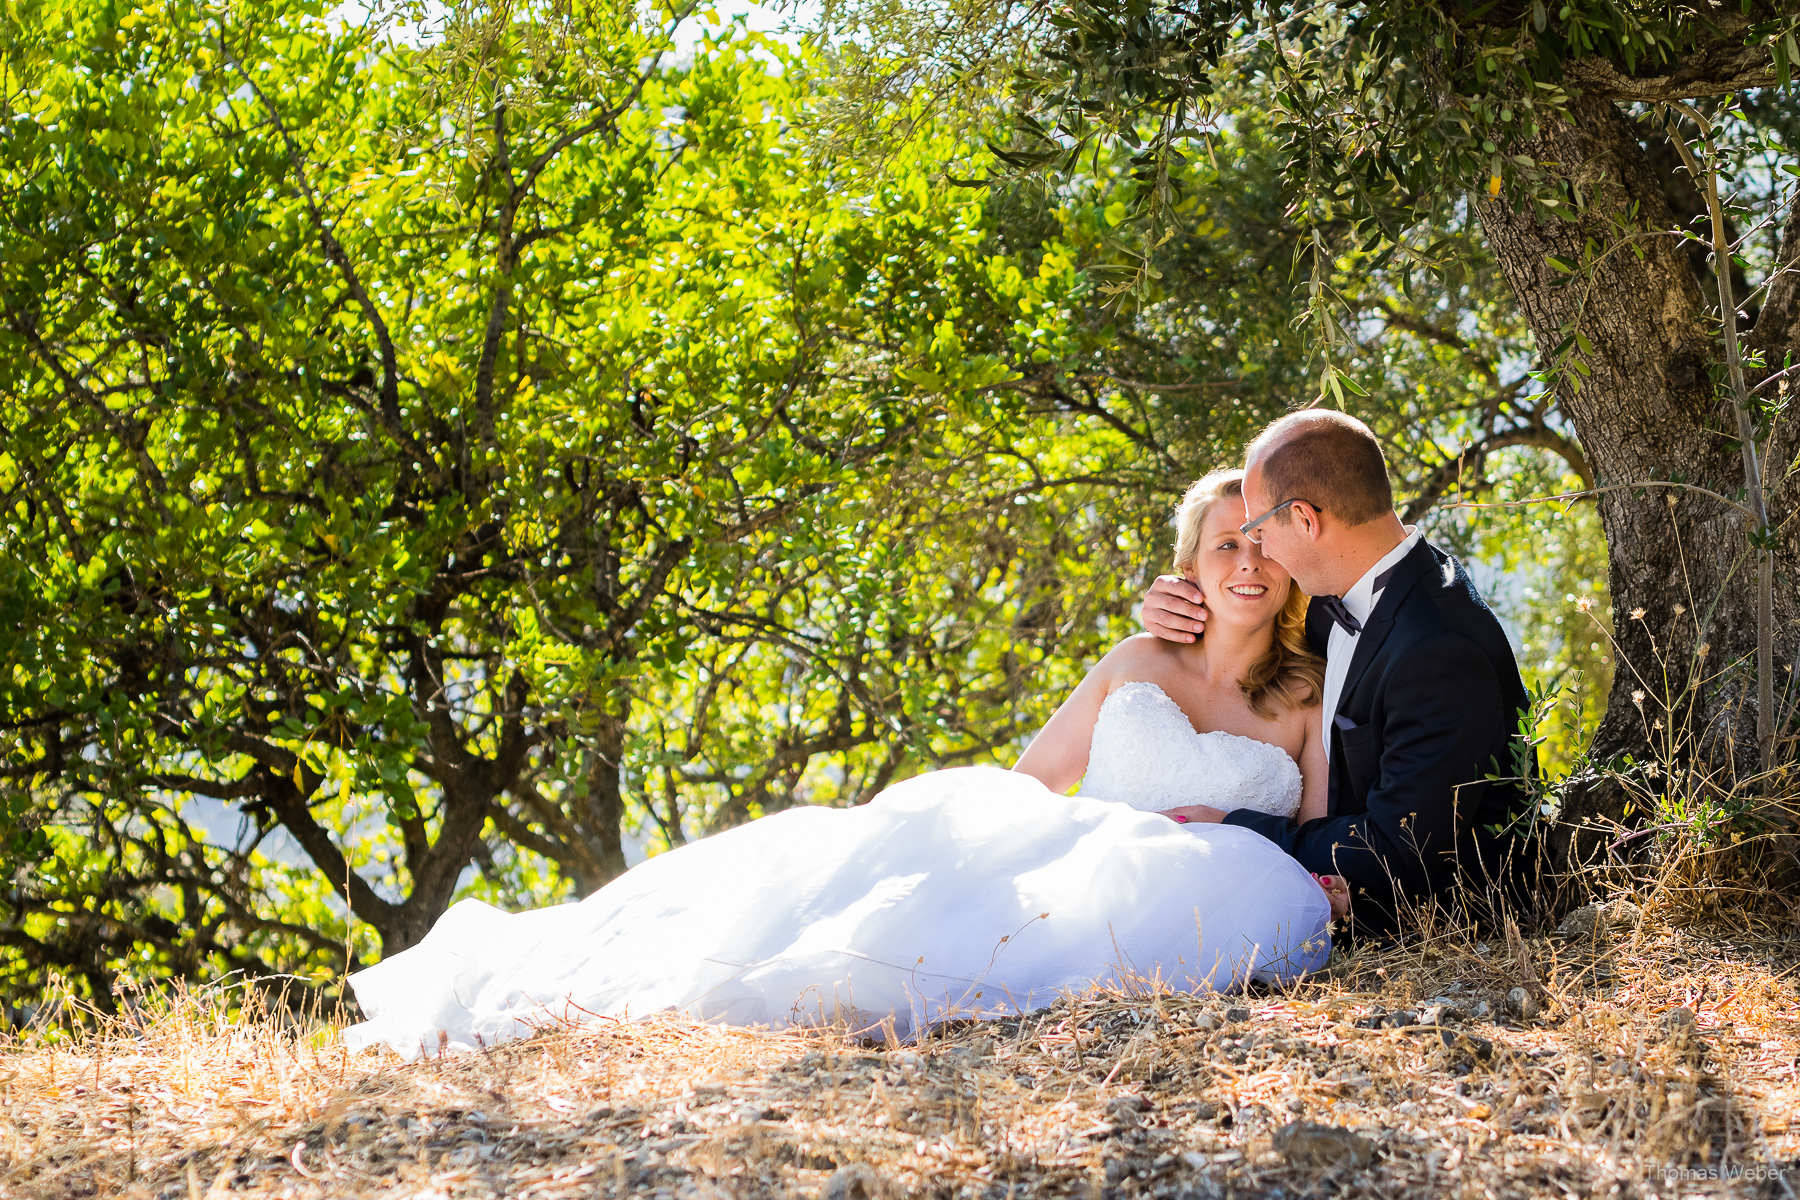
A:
[1174,609]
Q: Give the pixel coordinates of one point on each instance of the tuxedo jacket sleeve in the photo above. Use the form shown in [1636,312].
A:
[1433,736]
[1428,712]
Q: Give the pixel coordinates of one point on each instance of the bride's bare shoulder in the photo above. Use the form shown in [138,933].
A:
[1309,708]
[1301,720]
[1141,652]
[1142,656]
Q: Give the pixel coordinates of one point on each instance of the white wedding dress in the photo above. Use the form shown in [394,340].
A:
[972,892]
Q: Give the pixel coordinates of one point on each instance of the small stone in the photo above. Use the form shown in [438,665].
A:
[1678,1020]
[1481,1011]
[1309,1144]
[1203,1188]
[1483,949]
[857,1181]
[1400,1020]
[692,1189]
[1251,1114]
[1522,1003]
[1296,1105]
[1466,1043]
[1116,1171]
[965,1057]
[1206,1021]
[1582,924]
[1591,920]
[1124,1110]
[1446,1008]
[1235,1015]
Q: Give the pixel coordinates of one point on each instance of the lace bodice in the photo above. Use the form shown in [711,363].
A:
[1146,754]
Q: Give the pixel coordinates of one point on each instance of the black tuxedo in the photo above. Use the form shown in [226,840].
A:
[1428,710]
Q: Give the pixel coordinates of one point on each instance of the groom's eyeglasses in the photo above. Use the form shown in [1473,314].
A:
[1248,528]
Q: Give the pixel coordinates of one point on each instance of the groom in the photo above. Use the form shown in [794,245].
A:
[1422,694]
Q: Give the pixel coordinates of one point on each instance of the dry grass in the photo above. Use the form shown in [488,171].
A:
[1107,1095]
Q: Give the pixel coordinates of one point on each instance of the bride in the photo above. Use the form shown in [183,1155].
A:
[969,892]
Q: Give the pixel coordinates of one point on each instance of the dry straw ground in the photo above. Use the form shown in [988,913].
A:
[1602,1093]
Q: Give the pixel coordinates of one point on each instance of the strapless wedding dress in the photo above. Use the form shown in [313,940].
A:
[971,892]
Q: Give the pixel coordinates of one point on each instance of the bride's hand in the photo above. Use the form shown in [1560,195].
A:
[1174,609]
[1195,812]
[1337,890]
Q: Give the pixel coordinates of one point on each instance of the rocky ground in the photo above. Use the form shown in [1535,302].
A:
[1625,1059]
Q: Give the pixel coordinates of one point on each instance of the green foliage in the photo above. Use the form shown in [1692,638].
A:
[1388,114]
[1391,119]
[387,476]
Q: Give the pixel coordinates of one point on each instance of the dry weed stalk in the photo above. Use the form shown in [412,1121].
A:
[1705,837]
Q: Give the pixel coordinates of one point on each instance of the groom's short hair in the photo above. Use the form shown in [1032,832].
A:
[1329,459]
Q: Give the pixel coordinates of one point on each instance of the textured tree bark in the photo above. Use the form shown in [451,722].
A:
[1682,575]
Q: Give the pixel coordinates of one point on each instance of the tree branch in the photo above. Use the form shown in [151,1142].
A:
[1716,68]
[1470,462]
[338,257]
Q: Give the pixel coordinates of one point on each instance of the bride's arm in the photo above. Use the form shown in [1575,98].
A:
[1315,772]
[1058,755]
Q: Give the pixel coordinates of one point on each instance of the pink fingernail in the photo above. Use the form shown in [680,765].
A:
[1180,820]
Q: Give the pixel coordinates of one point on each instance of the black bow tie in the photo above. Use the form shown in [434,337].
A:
[1338,611]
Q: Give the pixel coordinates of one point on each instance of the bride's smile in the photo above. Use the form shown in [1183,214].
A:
[1242,587]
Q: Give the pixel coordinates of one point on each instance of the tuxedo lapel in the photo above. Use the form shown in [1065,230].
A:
[1375,630]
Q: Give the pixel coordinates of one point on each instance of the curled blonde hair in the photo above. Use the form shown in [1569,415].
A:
[1290,675]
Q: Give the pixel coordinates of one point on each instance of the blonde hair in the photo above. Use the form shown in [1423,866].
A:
[1290,674]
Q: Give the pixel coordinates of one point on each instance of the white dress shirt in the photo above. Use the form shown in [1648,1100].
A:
[1341,648]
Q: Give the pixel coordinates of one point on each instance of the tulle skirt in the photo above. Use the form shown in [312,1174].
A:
[972,892]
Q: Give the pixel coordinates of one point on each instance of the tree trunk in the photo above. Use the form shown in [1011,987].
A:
[1682,574]
[438,867]
[601,812]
